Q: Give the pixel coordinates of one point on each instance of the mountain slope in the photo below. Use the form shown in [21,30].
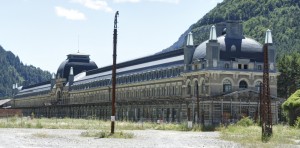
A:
[281,16]
[12,71]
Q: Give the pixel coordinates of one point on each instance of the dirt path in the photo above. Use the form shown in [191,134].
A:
[53,138]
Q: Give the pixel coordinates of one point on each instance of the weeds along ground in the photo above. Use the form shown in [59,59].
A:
[244,132]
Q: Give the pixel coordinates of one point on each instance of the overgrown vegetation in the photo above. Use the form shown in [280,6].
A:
[245,121]
[291,107]
[68,123]
[43,135]
[245,131]
[107,134]
[297,123]
[249,134]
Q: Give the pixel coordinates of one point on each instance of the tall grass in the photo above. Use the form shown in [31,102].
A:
[244,132]
[250,136]
[86,124]
[107,134]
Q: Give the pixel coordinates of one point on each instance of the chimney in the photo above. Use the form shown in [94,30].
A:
[188,50]
[52,80]
[71,77]
[213,34]
[271,50]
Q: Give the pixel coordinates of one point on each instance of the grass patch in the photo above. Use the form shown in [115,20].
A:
[92,123]
[106,134]
[43,135]
[250,136]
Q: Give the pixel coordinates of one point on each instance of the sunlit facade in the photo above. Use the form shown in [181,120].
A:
[222,74]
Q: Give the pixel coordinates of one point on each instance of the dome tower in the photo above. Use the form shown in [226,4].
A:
[79,61]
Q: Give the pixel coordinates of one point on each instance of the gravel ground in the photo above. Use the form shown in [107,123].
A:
[53,138]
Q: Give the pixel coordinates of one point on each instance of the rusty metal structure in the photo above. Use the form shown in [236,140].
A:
[114,73]
[266,114]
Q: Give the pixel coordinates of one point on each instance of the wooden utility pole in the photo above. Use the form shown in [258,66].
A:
[113,108]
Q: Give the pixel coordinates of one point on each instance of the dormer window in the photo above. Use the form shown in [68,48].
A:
[233,48]
[240,66]
[259,67]
[227,66]
[196,66]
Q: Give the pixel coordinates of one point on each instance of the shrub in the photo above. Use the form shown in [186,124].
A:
[297,123]
[28,125]
[39,125]
[245,121]
[13,119]
[106,134]
[208,128]
[290,106]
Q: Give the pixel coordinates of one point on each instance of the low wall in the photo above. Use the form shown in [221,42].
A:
[10,112]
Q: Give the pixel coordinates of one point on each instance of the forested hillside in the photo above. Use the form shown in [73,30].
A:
[12,71]
[281,16]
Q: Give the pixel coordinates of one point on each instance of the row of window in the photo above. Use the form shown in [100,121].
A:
[167,73]
[226,66]
[128,94]
[33,94]
[202,90]
[227,86]
[153,75]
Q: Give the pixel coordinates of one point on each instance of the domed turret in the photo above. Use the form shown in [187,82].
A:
[79,61]
[232,45]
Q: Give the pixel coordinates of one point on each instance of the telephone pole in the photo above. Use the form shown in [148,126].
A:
[113,116]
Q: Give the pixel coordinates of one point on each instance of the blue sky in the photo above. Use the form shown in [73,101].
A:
[43,32]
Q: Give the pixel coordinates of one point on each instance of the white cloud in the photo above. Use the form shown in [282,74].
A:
[94,4]
[69,14]
[126,1]
[167,1]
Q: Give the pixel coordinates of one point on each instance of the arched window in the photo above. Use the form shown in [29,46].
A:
[203,89]
[243,85]
[227,86]
[196,88]
[189,89]
[258,86]
[158,92]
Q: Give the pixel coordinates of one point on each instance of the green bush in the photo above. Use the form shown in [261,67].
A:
[290,105]
[208,128]
[106,134]
[297,123]
[28,125]
[39,125]
[245,121]
[13,119]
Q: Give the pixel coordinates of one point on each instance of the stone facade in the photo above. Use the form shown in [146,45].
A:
[215,82]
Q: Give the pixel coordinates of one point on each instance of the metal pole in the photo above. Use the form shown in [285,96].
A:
[198,108]
[266,100]
[114,74]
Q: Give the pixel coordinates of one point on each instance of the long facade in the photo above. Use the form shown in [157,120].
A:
[215,82]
